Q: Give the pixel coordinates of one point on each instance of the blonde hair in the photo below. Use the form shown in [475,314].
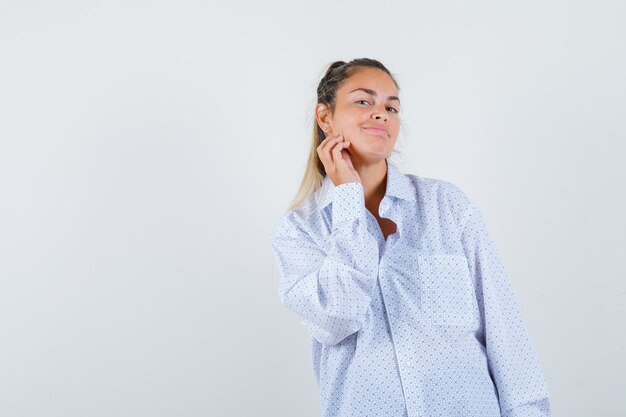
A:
[336,73]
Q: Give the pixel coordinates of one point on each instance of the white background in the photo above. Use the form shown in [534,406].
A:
[147,149]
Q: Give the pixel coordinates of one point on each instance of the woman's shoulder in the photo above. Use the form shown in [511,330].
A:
[442,195]
[439,188]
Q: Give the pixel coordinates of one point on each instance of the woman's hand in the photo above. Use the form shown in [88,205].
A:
[336,159]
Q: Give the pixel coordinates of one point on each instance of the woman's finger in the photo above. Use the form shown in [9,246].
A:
[336,152]
[323,144]
[333,140]
[324,151]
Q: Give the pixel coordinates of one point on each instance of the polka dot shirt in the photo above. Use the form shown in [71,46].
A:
[423,323]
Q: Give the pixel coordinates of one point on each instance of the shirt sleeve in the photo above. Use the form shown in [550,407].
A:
[329,288]
[513,361]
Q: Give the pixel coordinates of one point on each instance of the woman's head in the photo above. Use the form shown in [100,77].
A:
[353,98]
[359,100]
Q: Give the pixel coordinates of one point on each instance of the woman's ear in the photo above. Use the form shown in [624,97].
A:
[323,118]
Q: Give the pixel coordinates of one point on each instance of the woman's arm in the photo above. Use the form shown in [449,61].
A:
[513,361]
[330,291]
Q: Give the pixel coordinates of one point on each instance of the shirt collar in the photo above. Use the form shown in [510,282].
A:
[399,185]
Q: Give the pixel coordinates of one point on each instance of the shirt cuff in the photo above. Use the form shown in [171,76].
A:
[348,203]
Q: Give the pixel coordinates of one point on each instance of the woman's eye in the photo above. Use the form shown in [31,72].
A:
[392,109]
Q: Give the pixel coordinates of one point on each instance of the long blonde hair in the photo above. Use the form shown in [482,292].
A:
[336,73]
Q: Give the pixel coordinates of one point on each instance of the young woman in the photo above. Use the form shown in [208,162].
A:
[395,276]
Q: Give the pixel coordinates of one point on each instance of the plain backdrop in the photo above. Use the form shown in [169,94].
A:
[148,148]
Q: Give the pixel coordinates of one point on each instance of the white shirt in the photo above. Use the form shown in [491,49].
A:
[424,323]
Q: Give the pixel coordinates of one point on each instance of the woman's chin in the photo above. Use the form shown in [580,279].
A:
[370,155]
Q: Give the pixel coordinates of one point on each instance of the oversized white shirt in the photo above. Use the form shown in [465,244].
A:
[424,323]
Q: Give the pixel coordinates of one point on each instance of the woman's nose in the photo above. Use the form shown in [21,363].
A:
[379,115]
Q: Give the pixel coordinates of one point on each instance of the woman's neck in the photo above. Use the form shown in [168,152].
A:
[374,181]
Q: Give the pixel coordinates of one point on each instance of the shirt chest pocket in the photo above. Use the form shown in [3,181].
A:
[445,289]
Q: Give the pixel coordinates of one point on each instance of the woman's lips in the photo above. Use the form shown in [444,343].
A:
[376,131]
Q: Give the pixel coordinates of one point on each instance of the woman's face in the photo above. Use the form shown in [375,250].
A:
[366,114]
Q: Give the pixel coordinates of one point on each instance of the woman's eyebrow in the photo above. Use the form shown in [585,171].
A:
[373,93]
